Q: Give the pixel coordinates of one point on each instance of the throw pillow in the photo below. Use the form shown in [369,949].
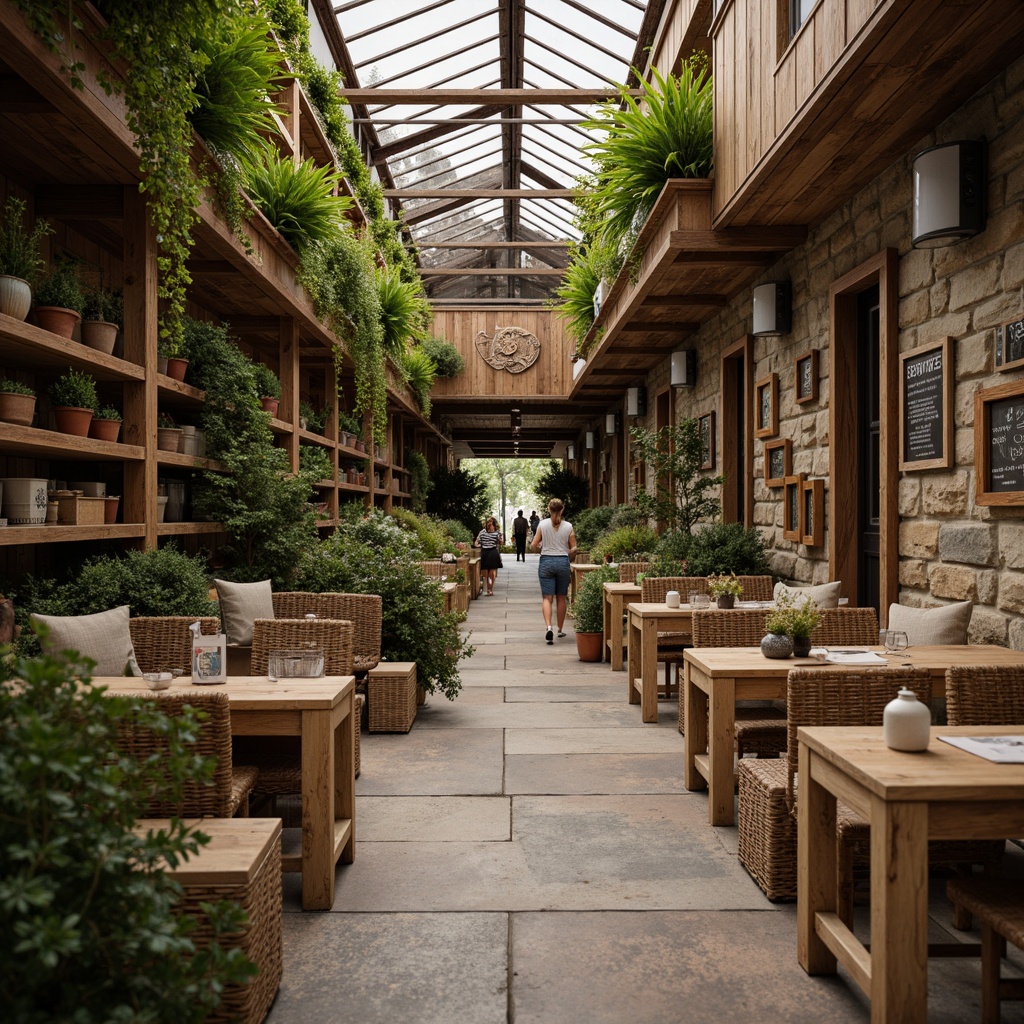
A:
[104,637]
[240,605]
[946,624]
[825,595]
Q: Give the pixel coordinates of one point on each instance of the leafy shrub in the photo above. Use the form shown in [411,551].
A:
[431,536]
[60,287]
[88,928]
[590,523]
[419,478]
[315,462]
[728,547]
[457,494]
[674,544]
[588,608]
[75,390]
[628,515]
[573,490]
[445,356]
[103,304]
[15,387]
[664,566]
[626,544]
[458,531]
[19,248]
[267,384]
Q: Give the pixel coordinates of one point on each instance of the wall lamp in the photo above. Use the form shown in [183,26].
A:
[570,452]
[773,309]
[636,401]
[950,187]
[611,424]
[590,439]
[683,370]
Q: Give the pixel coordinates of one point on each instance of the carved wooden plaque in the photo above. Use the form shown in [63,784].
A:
[510,348]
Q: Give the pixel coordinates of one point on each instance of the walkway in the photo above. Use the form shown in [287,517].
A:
[528,854]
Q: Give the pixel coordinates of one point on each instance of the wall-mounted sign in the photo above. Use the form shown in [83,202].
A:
[1010,345]
[999,444]
[510,348]
[806,377]
[926,406]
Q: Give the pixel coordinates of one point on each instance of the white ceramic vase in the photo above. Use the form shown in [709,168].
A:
[906,723]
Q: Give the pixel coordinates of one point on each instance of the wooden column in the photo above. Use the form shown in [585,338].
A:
[288,366]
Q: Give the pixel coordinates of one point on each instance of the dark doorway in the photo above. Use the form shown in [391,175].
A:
[868,430]
[737,436]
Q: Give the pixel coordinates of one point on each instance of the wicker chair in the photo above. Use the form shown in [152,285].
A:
[670,644]
[582,556]
[980,695]
[165,641]
[628,570]
[229,793]
[362,610]
[857,626]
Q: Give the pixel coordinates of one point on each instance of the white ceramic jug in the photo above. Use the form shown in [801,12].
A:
[906,722]
[672,599]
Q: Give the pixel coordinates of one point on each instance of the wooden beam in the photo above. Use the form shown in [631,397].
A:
[460,97]
[421,138]
[18,97]
[493,272]
[675,301]
[494,245]
[80,202]
[748,239]
[655,326]
[481,193]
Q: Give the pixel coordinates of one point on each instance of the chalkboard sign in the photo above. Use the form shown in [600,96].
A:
[792,509]
[806,377]
[1010,345]
[999,444]
[926,406]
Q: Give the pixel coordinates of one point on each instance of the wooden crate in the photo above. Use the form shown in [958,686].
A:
[77,510]
[391,693]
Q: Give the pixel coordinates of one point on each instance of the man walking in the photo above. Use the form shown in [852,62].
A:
[520,526]
[534,521]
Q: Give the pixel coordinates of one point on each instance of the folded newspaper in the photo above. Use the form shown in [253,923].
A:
[1003,749]
[855,658]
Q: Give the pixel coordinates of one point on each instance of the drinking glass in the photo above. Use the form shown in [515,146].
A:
[895,641]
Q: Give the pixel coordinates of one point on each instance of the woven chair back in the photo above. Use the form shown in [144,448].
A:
[164,641]
[213,740]
[824,696]
[980,695]
[364,611]
[654,588]
[734,627]
[582,557]
[846,626]
[436,569]
[333,635]
[628,570]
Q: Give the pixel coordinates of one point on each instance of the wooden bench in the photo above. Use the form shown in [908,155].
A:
[242,862]
[391,693]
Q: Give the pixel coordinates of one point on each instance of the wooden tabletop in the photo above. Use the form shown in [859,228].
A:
[250,693]
[942,772]
[622,588]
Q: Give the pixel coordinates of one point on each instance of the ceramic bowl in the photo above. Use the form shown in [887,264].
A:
[157,680]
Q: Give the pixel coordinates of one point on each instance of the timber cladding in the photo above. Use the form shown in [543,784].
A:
[550,374]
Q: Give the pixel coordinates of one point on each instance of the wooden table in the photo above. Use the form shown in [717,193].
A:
[714,678]
[940,793]
[644,622]
[617,596]
[321,712]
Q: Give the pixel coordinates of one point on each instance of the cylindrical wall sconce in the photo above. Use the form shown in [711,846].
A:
[590,439]
[772,309]
[610,427]
[950,187]
[570,452]
[683,369]
[636,401]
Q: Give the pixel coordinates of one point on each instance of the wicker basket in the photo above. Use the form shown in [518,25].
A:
[77,510]
[391,691]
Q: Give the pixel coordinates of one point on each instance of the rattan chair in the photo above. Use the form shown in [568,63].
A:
[362,610]
[231,785]
[671,644]
[985,695]
[629,570]
[857,626]
[164,641]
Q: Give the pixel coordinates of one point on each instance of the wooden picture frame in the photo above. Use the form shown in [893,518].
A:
[778,462]
[805,377]
[1009,349]
[812,513]
[926,406]
[766,406]
[999,444]
[792,508]
[706,431]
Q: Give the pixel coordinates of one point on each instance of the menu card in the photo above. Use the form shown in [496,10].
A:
[1001,749]
[855,658]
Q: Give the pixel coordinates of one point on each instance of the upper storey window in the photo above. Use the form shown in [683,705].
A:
[799,12]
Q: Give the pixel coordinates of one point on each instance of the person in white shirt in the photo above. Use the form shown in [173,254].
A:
[555,539]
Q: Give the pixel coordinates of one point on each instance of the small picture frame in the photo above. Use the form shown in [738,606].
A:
[706,431]
[766,406]
[792,508]
[812,513]
[806,378]
[209,659]
[778,462]
[1009,354]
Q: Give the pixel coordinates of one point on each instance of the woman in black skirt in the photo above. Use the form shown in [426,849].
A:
[489,541]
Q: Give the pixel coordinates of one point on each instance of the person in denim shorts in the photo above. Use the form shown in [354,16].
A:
[555,539]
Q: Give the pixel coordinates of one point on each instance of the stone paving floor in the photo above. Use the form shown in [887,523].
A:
[528,855]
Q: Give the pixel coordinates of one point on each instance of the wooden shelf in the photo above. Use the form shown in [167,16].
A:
[187,529]
[353,488]
[180,461]
[54,533]
[324,442]
[324,485]
[352,453]
[169,386]
[320,523]
[33,442]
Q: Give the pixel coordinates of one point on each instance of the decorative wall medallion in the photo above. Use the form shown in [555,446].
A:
[511,348]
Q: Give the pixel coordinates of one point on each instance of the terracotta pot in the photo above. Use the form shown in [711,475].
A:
[110,509]
[15,296]
[73,421]
[17,408]
[57,320]
[100,335]
[168,439]
[270,404]
[176,368]
[588,646]
[104,430]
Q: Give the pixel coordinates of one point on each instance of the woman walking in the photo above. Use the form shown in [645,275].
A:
[489,541]
[555,539]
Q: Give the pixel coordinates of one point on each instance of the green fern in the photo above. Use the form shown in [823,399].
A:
[419,372]
[404,311]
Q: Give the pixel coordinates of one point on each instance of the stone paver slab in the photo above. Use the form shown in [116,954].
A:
[550,774]
[539,716]
[594,741]
[444,819]
[606,693]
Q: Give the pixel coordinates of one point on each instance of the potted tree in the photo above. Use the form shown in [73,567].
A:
[59,298]
[74,398]
[725,589]
[17,402]
[268,387]
[20,259]
[106,424]
[588,613]
[102,313]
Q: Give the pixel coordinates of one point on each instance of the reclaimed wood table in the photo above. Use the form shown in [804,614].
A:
[714,678]
[320,712]
[645,620]
[617,597]
[908,798]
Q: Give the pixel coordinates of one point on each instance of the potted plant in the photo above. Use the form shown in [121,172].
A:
[17,402]
[725,589]
[106,424]
[59,298]
[310,419]
[102,313]
[268,387]
[803,620]
[168,434]
[20,259]
[588,613]
[176,362]
[349,428]
[74,398]
[789,628]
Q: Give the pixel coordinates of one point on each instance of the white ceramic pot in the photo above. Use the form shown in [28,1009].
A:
[15,296]
[906,722]
[672,599]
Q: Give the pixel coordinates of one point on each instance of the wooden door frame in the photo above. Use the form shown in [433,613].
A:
[744,347]
[883,270]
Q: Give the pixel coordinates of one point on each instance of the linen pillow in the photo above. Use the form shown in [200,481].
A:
[104,637]
[946,624]
[825,595]
[240,605]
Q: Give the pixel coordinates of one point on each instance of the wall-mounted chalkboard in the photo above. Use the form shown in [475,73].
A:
[1010,345]
[926,406]
[999,444]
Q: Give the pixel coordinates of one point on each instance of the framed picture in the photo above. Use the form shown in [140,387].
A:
[806,387]
[778,462]
[706,430]
[1010,345]
[792,507]
[766,406]
[998,447]
[926,406]
[812,512]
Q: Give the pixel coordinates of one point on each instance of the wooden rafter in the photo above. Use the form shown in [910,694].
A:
[509,96]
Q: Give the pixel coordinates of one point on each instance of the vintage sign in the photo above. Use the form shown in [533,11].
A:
[510,348]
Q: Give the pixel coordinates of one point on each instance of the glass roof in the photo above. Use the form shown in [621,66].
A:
[481,45]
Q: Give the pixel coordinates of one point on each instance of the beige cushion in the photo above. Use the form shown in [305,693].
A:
[825,595]
[240,605]
[104,637]
[946,624]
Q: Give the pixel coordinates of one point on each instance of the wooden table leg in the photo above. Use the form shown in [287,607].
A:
[318,788]
[649,670]
[721,727]
[345,776]
[695,728]
[634,660]
[816,866]
[614,632]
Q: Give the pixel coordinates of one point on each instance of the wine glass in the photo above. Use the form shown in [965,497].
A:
[895,641]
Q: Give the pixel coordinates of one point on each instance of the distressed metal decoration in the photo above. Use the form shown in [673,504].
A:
[510,348]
